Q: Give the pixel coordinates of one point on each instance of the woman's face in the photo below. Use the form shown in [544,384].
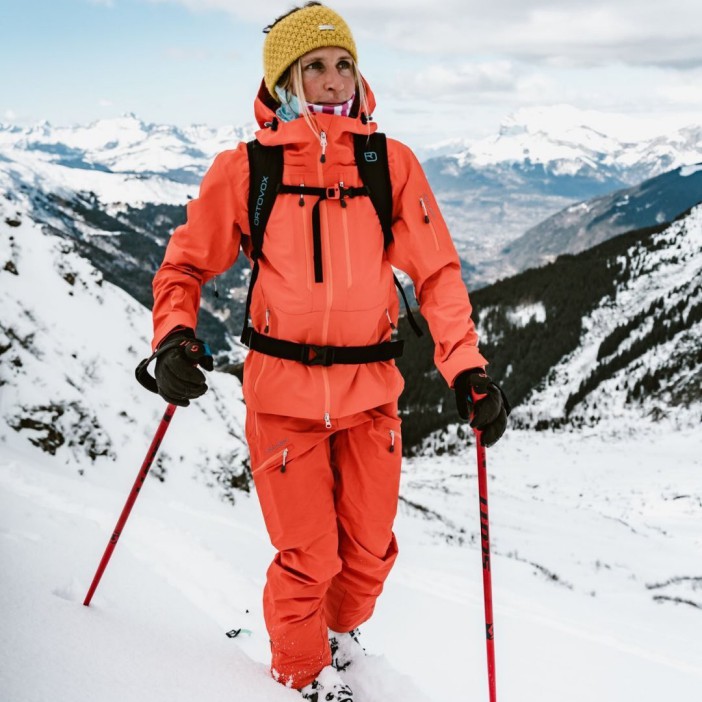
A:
[327,76]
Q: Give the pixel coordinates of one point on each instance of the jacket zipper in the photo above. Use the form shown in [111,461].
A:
[392,441]
[329,288]
[392,324]
[282,457]
[268,321]
[323,144]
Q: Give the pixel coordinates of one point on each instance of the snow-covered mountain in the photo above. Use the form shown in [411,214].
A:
[609,337]
[586,224]
[594,541]
[541,161]
[126,146]
[125,243]
[491,191]
[640,348]
[189,566]
[568,141]
[69,343]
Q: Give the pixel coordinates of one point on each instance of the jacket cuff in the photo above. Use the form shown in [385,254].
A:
[461,361]
[175,320]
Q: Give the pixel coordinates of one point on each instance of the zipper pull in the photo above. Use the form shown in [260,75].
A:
[301,201]
[214,283]
[285,457]
[392,441]
[424,208]
[327,418]
[268,322]
[323,142]
[392,324]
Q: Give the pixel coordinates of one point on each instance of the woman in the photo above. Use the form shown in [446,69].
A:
[323,430]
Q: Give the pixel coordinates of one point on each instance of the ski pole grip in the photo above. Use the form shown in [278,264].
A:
[479,382]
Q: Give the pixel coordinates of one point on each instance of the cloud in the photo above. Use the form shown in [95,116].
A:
[10,114]
[686,91]
[439,81]
[561,32]
[104,102]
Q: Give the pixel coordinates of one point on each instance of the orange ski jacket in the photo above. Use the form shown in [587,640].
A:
[356,303]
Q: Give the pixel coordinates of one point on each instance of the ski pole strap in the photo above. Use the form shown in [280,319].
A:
[410,317]
[315,355]
[194,349]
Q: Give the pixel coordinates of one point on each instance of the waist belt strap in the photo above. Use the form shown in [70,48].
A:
[314,355]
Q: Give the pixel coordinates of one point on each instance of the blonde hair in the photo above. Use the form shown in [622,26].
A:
[291,80]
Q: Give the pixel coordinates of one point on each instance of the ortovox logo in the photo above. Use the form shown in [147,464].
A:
[259,201]
[370,156]
[326,27]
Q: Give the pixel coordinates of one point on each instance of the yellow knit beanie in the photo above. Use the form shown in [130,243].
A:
[303,30]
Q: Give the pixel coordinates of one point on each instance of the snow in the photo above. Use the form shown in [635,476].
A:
[596,539]
[686,171]
[570,140]
[672,271]
[521,316]
[121,159]
[610,521]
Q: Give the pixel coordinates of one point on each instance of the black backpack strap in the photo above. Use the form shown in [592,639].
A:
[371,152]
[265,177]
[314,355]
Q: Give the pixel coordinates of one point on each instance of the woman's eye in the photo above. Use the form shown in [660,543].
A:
[344,65]
[314,66]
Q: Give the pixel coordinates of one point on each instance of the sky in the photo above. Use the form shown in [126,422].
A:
[440,70]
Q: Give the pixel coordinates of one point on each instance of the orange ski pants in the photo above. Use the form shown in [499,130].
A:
[329,498]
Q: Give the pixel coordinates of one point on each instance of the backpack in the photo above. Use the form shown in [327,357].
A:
[265,184]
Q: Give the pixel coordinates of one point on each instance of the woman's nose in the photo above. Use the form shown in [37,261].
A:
[335,81]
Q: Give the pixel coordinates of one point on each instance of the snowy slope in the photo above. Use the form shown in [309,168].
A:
[598,593]
[596,543]
[69,343]
[639,351]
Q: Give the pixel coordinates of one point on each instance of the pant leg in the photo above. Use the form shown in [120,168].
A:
[298,509]
[366,460]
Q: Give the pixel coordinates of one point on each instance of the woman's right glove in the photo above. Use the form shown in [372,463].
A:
[489,412]
[178,378]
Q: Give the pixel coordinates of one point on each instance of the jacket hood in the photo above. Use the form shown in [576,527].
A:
[273,131]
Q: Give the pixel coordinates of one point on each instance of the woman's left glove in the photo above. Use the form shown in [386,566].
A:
[490,410]
[178,378]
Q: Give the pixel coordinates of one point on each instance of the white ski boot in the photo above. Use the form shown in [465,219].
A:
[345,648]
[327,687]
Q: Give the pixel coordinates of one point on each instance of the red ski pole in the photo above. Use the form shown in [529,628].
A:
[485,547]
[143,472]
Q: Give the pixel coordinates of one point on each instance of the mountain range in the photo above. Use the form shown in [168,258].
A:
[491,192]
[595,498]
[116,215]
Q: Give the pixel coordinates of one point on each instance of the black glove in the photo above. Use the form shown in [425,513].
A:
[178,378]
[490,412]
